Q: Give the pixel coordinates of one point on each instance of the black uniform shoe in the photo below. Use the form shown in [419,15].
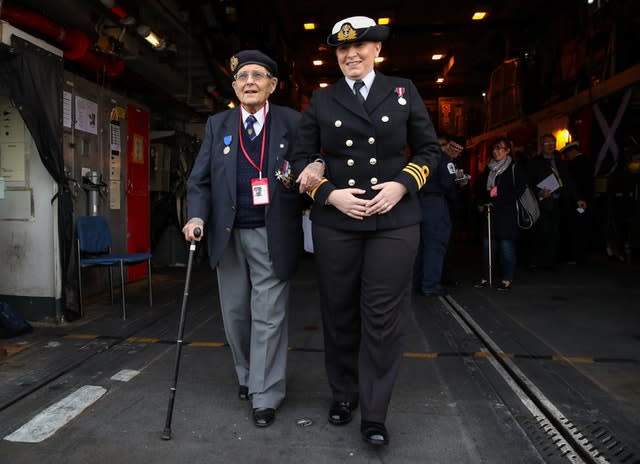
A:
[243,392]
[374,433]
[264,417]
[481,284]
[340,412]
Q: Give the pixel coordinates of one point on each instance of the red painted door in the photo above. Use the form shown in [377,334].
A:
[138,214]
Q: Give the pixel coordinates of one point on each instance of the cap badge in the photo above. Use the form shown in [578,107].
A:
[234,63]
[347,32]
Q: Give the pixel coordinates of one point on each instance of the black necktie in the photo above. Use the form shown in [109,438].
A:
[356,88]
[250,120]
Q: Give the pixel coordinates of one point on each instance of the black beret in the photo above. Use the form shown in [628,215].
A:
[356,29]
[253,57]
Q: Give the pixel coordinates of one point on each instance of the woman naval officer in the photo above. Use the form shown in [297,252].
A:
[365,218]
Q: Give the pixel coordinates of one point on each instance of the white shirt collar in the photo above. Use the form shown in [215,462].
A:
[368,82]
[259,115]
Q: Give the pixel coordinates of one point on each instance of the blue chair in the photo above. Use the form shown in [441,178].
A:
[93,239]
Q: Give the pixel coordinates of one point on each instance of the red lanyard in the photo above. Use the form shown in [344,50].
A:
[244,152]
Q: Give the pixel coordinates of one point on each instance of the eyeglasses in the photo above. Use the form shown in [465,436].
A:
[548,143]
[257,76]
[500,147]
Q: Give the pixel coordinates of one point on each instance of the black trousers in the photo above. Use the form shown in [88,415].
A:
[365,292]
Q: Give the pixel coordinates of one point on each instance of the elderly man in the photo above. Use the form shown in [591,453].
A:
[241,193]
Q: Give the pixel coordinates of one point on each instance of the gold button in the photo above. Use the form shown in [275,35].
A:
[350,162]
[385,118]
[372,140]
[374,180]
[227,229]
[349,142]
[338,123]
[373,161]
[351,182]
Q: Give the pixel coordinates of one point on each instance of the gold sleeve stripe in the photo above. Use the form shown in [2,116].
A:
[312,193]
[419,173]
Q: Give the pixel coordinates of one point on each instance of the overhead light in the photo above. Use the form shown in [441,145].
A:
[147,34]
[439,80]
[318,62]
[323,84]
[153,39]
[479,15]
[309,26]
[384,21]
[379,59]
[437,56]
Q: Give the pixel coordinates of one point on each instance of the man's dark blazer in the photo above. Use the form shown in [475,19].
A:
[212,187]
[539,168]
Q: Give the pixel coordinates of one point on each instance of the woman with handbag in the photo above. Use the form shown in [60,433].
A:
[497,191]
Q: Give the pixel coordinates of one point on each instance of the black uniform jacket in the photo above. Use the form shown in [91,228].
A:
[364,146]
[212,187]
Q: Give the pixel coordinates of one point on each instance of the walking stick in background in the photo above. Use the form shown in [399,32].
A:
[166,435]
[488,205]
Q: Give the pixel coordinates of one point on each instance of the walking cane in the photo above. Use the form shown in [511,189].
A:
[166,435]
[489,248]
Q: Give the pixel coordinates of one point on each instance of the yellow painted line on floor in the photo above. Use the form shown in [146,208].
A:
[414,355]
[573,359]
[142,340]
[207,344]
[81,336]
[486,354]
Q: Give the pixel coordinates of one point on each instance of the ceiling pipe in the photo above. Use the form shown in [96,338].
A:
[76,44]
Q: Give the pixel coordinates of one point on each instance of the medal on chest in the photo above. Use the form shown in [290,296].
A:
[400,91]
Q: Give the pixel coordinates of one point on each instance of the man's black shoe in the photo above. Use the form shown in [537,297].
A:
[340,412]
[243,392]
[264,417]
[374,433]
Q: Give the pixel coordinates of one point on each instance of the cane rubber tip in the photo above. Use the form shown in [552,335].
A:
[166,435]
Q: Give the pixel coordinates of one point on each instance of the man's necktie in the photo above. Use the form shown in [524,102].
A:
[356,87]
[251,119]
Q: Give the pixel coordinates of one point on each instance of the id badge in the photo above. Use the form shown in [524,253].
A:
[494,191]
[260,191]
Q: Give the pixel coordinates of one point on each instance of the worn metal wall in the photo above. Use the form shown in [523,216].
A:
[30,269]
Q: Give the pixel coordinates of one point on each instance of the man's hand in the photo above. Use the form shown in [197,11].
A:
[190,227]
[310,176]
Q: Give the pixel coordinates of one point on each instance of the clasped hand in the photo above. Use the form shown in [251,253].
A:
[348,202]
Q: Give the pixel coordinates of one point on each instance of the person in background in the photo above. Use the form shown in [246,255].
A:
[365,218]
[454,202]
[579,224]
[498,188]
[435,228]
[241,193]
[546,233]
